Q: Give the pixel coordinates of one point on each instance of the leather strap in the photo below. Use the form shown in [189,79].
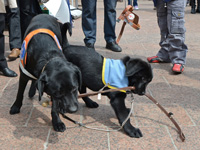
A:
[106,91]
[169,115]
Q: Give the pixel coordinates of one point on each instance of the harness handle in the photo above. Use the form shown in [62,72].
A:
[129,17]
[106,91]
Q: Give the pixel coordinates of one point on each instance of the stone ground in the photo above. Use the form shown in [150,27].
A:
[32,129]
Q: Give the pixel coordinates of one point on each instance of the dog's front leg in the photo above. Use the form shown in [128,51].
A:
[118,104]
[89,103]
[58,125]
[23,80]
[32,89]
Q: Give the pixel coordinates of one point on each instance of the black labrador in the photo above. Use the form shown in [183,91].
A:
[137,72]
[53,74]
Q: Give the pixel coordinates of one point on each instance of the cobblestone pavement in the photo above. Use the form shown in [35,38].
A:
[180,94]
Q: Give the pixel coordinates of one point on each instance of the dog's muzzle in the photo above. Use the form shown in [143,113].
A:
[65,106]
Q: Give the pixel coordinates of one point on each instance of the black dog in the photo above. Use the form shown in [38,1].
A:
[52,72]
[138,73]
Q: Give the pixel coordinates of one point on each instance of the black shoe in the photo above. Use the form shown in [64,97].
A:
[193,11]
[8,73]
[89,45]
[198,10]
[113,46]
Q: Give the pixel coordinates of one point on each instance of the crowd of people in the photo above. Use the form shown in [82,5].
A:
[18,14]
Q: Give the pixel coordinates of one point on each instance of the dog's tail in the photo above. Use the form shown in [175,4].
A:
[66,27]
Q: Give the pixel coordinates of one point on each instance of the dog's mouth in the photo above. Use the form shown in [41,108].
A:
[139,92]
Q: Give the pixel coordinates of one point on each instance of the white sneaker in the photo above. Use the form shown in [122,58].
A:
[136,7]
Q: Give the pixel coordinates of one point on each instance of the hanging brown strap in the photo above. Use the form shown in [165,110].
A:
[169,115]
[121,32]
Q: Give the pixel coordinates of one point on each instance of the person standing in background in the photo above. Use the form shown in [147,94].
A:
[13,20]
[193,6]
[28,9]
[3,63]
[135,4]
[89,23]
[170,16]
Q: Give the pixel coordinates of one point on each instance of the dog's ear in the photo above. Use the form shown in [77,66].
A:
[40,84]
[125,59]
[133,66]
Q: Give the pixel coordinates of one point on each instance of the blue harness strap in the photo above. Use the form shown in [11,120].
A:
[113,74]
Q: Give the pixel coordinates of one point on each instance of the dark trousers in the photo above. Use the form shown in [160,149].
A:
[89,20]
[28,9]
[193,3]
[134,2]
[3,62]
[13,18]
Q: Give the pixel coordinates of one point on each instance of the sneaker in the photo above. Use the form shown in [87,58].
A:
[154,59]
[136,7]
[178,68]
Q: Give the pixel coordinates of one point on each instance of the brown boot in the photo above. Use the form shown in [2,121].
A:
[14,54]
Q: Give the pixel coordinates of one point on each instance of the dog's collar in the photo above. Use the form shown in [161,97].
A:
[23,54]
[113,74]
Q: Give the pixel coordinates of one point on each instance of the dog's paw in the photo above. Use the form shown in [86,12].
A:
[90,103]
[14,110]
[133,132]
[59,127]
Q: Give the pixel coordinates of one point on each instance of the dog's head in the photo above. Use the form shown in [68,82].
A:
[139,74]
[61,82]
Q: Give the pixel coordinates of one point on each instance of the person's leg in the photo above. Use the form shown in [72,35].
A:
[13,17]
[14,28]
[129,2]
[109,25]
[198,6]
[28,9]
[89,21]
[176,37]
[135,3]
[3,63]
[162,23]
[193,6]
[109,20]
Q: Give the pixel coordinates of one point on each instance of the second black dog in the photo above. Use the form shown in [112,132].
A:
[137,72]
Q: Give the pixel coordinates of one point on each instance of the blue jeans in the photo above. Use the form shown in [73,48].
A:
[134,2]
[89,20]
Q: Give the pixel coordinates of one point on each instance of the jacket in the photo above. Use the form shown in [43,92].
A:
[11,4]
